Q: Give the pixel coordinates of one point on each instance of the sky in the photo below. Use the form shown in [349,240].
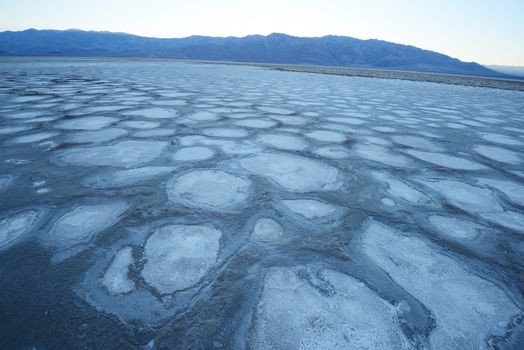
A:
[483,31]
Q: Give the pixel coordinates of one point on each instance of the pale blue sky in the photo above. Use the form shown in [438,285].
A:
[485,31]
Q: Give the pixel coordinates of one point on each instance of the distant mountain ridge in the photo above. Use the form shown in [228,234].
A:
[511,70]
[328,50]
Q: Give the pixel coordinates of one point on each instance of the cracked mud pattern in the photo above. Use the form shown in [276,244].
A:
[167,205]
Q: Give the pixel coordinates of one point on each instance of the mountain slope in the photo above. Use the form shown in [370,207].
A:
[511,70]
[275,48]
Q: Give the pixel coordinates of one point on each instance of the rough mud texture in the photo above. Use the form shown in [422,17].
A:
[168,205]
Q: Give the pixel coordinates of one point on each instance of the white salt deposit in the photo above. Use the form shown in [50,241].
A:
[155,112]
[416,142]
[267,230]
[257,123]
[499,154]
[347,120]
[154,133]
[419,269]
[14,227]
[382,155]
[290,120]
[124,178]
[477,201]
[81,224]
[129,154]
[5,180]
[388,202]
[455,227]
[34,137]
[332,151]
[309,208]
[281,141]
[512,190]
[13,129]
[294,173]
[400,189]
[96,136]
[140,124]
[225,132]
[300,309]
[208,189]
[86,123]
[116,278]
[203,116]
[179,256]
[384,129]
[326,136]
[446,161]
[193,154]
[502,139]
[276,110]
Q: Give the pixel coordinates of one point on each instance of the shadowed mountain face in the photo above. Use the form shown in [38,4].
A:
[275,48]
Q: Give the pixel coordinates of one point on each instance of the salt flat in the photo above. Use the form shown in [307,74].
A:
[159,204]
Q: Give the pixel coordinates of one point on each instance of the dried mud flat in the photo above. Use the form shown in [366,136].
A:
[506,84]
[154,204]
[495,83]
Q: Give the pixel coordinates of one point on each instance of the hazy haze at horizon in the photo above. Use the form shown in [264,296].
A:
[481,31]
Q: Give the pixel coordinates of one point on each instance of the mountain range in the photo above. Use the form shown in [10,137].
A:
[340,51]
